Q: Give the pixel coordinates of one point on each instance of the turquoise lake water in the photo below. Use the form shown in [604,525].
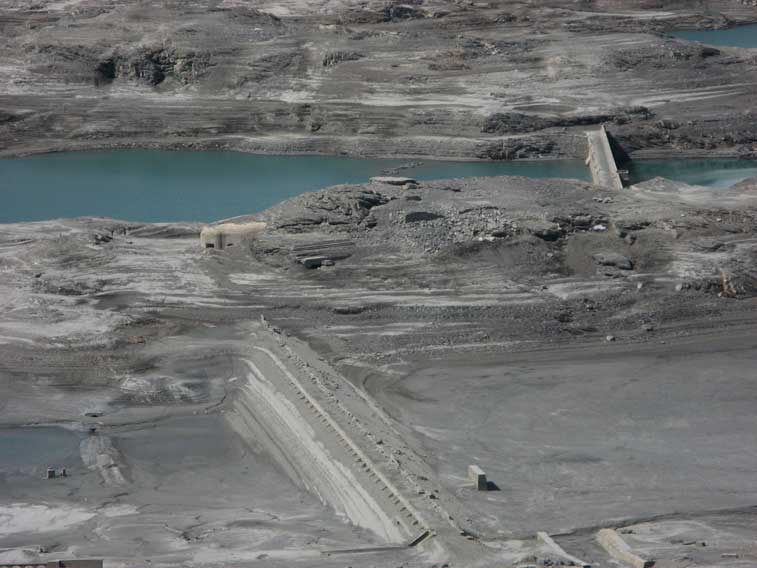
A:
[712,173]
[741,36]
[153,185]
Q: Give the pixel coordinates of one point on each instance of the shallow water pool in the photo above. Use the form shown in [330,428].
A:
[39,447]
[711,173]
[740,36]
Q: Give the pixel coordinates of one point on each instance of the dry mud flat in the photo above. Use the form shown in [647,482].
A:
[441,78]
[463,321]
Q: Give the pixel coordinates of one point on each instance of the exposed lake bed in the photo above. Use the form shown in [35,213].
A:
[154,338]
[316,393]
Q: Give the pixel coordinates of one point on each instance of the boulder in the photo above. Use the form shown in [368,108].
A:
[613,259]
[582,221]
[392,180]
[708,245]
[401,11]
[336,57]
[416,216]
[545,231]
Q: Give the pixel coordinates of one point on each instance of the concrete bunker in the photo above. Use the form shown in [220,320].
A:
[225,235]
[477,477]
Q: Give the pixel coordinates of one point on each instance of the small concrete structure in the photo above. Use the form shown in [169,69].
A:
[391,180]
[558,550]
[613,543]
[226,235]
[315,261]
[604,171]
[477,476]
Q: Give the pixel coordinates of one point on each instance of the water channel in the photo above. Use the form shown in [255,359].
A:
[711,173]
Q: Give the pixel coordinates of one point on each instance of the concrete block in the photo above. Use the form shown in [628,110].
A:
[558,550]
[613,543]
[477,476]
[313,261]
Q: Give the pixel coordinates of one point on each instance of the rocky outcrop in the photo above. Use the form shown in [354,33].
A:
[152,66]
[544,230]
[342,207]
[406,10]
[665,54]
[337,57]
[417,216]
[613,259]
[517,123]
[513,149]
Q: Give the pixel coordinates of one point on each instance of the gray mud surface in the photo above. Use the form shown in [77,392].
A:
[598,434]
[592,351]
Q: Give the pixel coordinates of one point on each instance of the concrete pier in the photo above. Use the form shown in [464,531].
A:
[604,170]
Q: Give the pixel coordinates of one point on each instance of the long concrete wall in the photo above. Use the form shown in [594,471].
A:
[616,547]
[272,406]
[335,441]
[604,170]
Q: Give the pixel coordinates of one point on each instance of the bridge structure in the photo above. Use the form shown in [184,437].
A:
[601,162]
